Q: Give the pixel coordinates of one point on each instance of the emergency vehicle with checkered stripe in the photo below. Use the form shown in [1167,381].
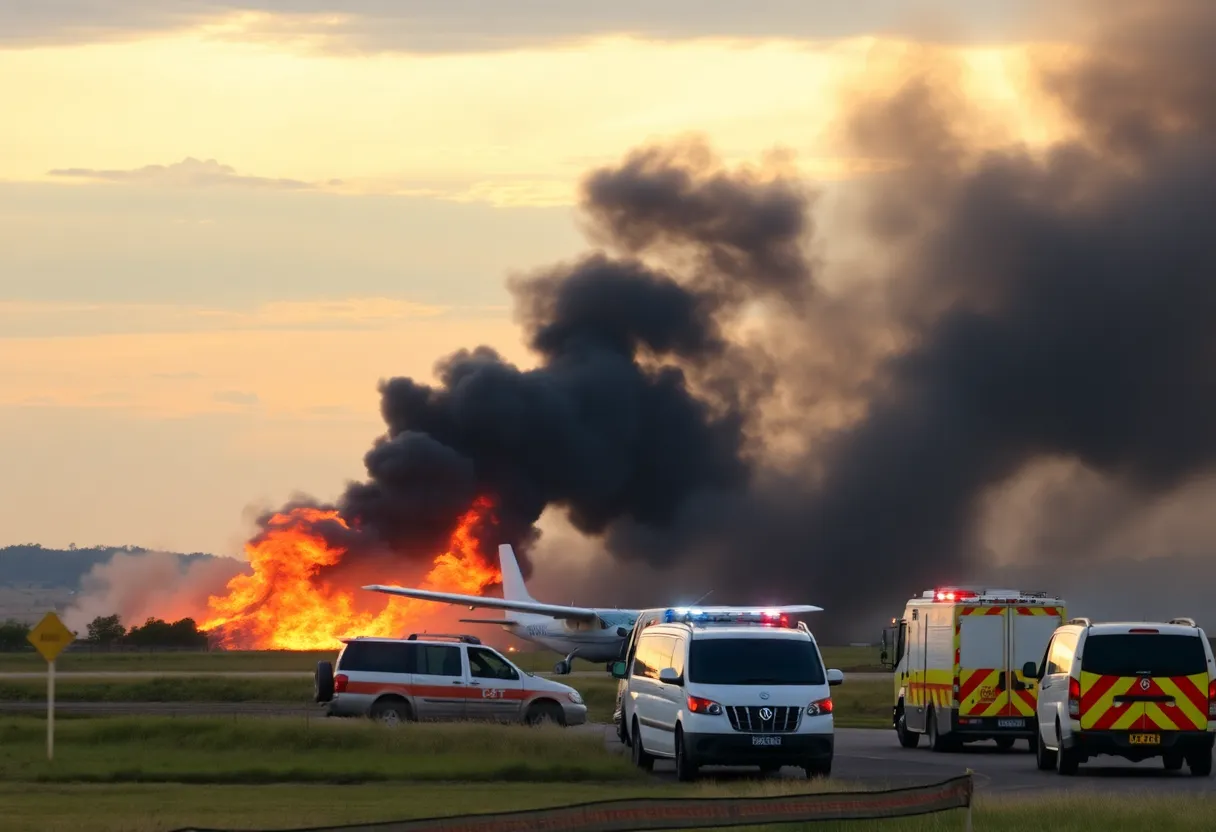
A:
[1134,690]
[439,678]
[958,657]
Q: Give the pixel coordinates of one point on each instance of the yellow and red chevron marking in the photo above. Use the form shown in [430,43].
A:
[1188,710]
[978,694]
[929,693]
[1039,611]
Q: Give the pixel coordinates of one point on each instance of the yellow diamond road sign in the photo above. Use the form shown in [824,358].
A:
[51,636]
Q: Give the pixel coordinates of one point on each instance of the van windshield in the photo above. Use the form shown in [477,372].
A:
[754,661]
[1132,654]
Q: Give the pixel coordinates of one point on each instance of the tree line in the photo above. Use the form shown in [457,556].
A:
[109,631]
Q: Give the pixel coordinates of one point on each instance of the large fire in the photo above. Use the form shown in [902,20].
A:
[285,605]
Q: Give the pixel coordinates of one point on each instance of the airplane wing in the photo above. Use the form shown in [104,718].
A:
[475,601]
[503,622]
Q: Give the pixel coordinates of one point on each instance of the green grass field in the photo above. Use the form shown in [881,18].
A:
[256,751]
[848,659]
[858,703]
[158,808]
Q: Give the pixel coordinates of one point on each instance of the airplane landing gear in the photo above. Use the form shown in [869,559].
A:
[562,668]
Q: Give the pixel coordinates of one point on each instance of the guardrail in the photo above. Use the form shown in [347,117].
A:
[650,813]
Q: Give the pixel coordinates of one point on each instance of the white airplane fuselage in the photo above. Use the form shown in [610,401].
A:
[596,641]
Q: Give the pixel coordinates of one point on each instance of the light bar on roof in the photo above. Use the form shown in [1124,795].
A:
[769,617]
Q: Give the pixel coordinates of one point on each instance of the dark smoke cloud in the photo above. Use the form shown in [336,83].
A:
[1033,306]
[641,397]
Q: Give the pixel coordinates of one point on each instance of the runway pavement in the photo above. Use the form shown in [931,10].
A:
[870,756]
[277,674]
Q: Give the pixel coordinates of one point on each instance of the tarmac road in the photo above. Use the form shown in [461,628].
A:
[866,755]
[275,674]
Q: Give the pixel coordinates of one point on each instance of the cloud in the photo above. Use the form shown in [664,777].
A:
[425,26]
[237,397]
[188,173]
[56,319]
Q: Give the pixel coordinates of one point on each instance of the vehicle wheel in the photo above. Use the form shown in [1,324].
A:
[1004,743]
[562,668]
[640,758]
[908,739]
[936,741]
[1044,758]
[545,713]
[323,682]
[1200,762]
[820,768]
[1067,759]
[686,769]
[1172,762]
[391,711]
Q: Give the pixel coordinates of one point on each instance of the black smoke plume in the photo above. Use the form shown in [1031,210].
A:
[641,398]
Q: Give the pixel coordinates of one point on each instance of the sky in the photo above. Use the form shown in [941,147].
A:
[223,222]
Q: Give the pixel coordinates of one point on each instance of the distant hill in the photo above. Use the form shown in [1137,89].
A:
[30,564]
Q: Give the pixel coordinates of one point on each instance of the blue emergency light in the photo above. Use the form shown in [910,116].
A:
[696,616]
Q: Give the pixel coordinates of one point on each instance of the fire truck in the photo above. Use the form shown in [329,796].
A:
[957,657]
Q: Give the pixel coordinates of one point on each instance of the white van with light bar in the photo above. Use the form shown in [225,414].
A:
[728,686]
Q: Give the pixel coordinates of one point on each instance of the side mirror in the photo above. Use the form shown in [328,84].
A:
[619,670]
[668,676]
[835,677]
[1030,671]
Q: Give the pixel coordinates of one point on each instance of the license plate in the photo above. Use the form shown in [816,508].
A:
[1010,723]
[1145,739]
[766,740]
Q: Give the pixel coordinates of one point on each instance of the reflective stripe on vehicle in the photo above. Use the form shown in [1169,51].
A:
[1134,703]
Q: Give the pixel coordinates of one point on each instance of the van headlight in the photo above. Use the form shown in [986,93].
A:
[575,697]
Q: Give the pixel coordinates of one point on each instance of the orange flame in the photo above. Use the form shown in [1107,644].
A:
[284,605]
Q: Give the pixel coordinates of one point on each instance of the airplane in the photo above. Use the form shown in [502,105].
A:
[593,633]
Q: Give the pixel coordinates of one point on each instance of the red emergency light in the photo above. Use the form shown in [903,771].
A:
[951,594]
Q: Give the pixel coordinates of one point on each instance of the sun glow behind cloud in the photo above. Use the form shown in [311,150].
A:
[511,127]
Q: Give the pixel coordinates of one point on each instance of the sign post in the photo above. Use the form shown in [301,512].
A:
[50,637]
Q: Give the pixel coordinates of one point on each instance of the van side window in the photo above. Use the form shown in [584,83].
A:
[901,641]
[1062,649]
[378,657]
[643,657]
[439,660]
[654,654]
[676,662]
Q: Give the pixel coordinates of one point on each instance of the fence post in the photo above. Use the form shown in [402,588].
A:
[970,802]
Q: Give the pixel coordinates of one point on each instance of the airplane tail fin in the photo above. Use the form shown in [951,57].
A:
[513,587]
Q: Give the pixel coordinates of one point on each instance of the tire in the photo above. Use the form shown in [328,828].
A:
[545,713]
[818,769]
[686,769]
[1004,743]
[562,668]
[640,758]
[1172,761]
[936,741]
[391,711]
[1067,759]
[908,739]
[1044,758]
[1200,762]
[323,682]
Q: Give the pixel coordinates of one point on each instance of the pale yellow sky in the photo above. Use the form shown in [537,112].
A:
[182,339]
